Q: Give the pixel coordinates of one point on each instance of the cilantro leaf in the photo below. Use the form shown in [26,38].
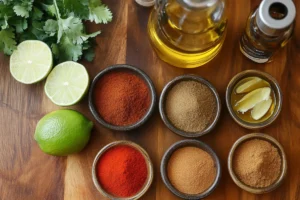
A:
[85,37]
[100,14]
[4,23]
[23,8]
[72,27]
[80,8]
[20,25]
[68,50]
[7,41]
[37,14]
[51,27]
[38,30]
[49,9]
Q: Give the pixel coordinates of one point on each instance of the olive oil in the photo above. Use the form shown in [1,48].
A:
[186,36]
[235,98]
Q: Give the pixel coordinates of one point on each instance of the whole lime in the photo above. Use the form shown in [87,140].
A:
[63,132]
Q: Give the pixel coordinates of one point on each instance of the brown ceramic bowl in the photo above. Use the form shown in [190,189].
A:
[148,162]
[248,188]
[189,143]
[274,85]
[130,69]
[163,98]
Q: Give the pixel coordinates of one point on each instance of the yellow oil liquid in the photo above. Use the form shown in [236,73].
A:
[247,115]
[186,39]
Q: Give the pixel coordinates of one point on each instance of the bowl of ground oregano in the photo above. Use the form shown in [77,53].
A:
[190,106]
[257,163]
[190,169]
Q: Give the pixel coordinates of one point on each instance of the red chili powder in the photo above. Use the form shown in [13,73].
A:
[122,171]
[121,98]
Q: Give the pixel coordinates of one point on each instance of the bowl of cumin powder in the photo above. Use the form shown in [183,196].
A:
[257,163]
[190,106]
[190,169]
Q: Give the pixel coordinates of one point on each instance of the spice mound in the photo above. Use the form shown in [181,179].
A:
[122,98]
[257,163]
[191,170]
[122,171]
[191,106]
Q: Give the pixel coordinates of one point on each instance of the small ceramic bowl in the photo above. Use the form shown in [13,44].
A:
[133,70]
[189,143]
[149,166]
[242,185]
[274,85]
[164,95]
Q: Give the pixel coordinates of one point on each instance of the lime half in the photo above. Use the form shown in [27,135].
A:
[31,62]
[67,83]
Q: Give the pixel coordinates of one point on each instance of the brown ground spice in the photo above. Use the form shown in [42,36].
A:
[191,170]
[191,106]
[257,163]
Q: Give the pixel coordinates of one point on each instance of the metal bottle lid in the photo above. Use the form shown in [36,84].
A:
[270,24]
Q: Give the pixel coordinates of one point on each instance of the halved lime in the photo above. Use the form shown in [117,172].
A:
[67,83]
[31,62]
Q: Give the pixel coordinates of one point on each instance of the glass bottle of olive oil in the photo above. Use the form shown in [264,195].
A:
[187,33]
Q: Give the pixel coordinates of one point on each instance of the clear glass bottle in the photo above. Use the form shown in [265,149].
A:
[187,33]
[269,28]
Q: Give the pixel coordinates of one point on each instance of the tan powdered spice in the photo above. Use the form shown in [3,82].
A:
[191,106]
[257,163]
[191,170]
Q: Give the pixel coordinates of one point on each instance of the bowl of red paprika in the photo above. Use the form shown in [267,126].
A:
[122,97]
[122,170]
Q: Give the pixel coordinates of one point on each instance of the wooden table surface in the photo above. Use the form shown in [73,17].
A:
[26,173]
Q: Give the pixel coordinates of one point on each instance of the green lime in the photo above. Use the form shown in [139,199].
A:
[67,83]
[63,132]
[31,62]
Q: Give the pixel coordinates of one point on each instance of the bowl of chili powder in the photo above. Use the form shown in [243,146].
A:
[122,97]
[122,170]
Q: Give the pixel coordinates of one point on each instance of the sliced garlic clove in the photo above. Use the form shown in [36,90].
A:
[261,109]
[250,84]
[251,99]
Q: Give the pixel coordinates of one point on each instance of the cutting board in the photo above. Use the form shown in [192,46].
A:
[26,173]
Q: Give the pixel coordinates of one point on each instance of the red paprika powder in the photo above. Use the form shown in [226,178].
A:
[122,98]
[122,171]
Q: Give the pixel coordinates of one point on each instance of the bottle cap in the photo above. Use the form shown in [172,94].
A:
[145,3]
[273,16]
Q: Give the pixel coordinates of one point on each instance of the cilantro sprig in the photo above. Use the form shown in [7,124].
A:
[59,23]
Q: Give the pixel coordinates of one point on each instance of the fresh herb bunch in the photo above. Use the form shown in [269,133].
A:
[59,23]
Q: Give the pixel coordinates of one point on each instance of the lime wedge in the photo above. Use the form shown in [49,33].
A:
[251,99]
[31,62]
[67,83]
[250,84]
[261,109]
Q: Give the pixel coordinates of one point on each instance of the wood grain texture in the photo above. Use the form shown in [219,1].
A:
[28,174]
